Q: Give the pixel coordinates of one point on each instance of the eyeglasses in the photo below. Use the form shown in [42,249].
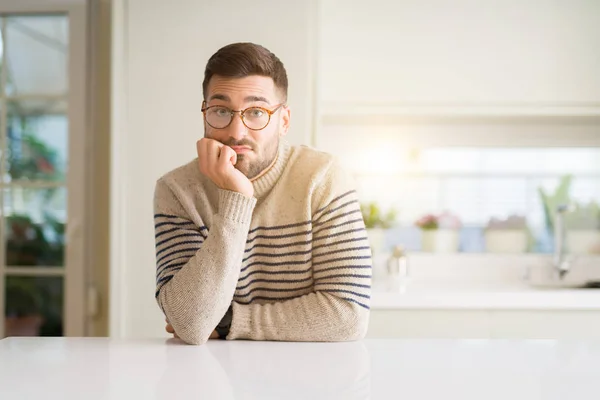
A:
[254,118]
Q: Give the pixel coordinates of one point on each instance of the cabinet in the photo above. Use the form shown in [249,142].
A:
[478,324]
[463,57]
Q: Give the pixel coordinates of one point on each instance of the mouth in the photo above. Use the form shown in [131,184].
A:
[241,149]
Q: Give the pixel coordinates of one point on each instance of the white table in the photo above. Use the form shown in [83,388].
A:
[101,368]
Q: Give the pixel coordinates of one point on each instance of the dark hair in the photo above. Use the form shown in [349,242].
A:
[239,60]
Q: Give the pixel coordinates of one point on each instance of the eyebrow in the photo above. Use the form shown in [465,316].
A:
[247,99]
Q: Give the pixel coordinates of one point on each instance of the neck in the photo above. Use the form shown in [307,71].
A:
[267,179]
[264,171]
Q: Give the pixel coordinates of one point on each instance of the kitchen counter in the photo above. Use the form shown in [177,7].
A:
[440,295]
[102,368]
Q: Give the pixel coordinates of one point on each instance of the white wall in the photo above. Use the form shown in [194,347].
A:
[412,54]
[160,50]
[440,53]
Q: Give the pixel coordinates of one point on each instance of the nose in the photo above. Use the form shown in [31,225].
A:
[237,129]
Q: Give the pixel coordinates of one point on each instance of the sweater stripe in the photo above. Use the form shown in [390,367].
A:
[271,298]
[357,302]
[345,276]
[277,246]
[273,281]
[277,227]
[169,266]
[341,259]
[340,234]
[186,253]
[275,264]
[317,224]
[177,229]
[333,201]
[350,203]
[277,255]
[333,244]
[278,236]
[360,285]
[343,250]
[277,272]
[366,296]
[182,223]
[343,267]
[176,237]
[352,221]
[187,242]
[270,289]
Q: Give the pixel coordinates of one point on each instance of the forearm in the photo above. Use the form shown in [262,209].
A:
[197,295]
[315,317]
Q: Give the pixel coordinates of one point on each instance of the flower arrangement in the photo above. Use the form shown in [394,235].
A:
[439,232]
[444,220]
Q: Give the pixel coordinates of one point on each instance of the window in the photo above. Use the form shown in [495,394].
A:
[451,119]
[41,137]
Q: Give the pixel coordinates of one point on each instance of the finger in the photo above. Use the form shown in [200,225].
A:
[202,154]
[213,150]
[228,157]
[169,329]
[208,153]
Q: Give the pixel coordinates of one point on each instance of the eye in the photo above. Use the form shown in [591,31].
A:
[255,113]
[221,111]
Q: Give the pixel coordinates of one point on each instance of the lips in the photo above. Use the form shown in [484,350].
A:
[241,149]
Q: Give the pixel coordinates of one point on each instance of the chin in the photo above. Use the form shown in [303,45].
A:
[243,167]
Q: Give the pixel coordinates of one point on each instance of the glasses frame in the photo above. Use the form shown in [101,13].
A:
[269,112]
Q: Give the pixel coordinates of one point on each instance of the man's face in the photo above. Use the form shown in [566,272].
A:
[256,149]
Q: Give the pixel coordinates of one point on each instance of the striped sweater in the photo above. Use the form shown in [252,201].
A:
[293,261]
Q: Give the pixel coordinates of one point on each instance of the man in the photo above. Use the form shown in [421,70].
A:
[256,239]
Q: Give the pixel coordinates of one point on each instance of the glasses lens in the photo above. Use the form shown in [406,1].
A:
[218,117]
[256,118]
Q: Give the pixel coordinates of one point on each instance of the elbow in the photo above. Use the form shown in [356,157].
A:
[192,334]
[193,338]
[358,328]
[353,327]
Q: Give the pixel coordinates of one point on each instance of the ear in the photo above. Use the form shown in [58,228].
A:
[284,123]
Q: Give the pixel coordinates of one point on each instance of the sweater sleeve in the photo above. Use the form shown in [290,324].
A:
[338,307]
[197,270]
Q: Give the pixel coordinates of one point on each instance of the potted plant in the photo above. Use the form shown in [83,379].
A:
[31,157]
[551,202]
[439,233]
[28,244]
[509,235]
[376,224]
[24,303]
[582,224]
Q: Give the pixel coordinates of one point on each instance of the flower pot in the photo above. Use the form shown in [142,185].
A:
[440,240]
[583,241]
[23,326]
[506,240]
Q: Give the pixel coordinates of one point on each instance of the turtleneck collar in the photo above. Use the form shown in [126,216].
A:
[265,182]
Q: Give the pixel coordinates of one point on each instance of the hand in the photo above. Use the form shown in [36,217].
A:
[169,329]
[217,162]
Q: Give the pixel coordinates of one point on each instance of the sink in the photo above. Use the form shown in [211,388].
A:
[583,272]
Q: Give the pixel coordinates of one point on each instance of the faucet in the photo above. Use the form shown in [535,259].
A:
[560,261]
